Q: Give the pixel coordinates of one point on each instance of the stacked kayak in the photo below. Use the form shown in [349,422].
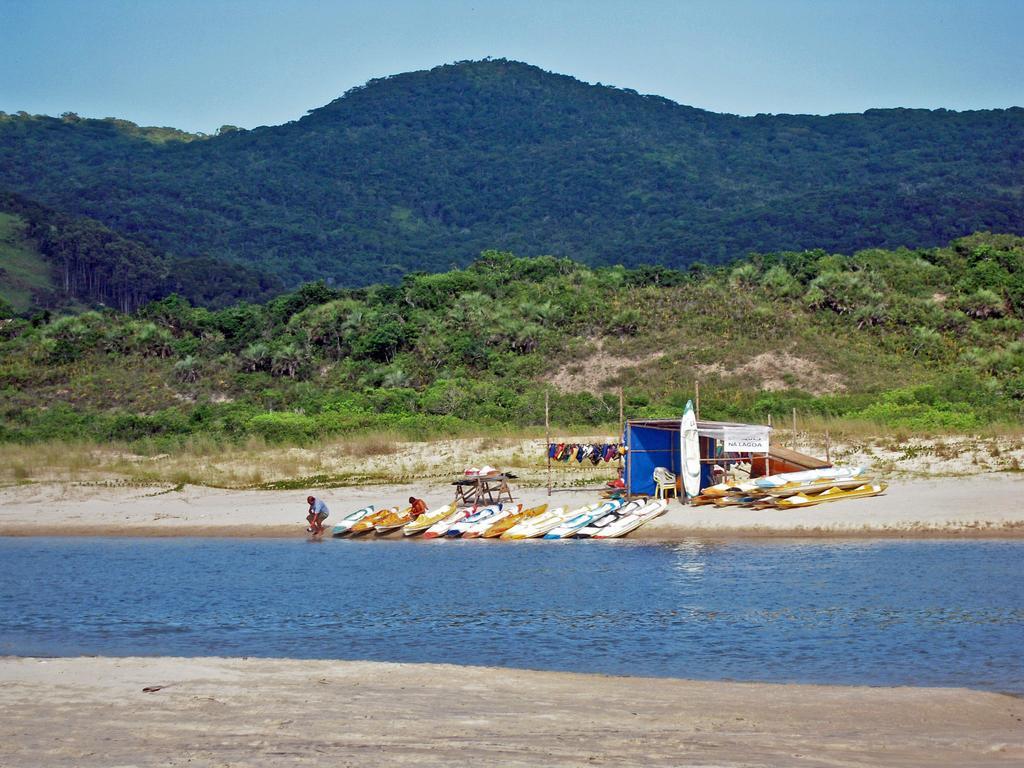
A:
[498,528]
[778,481]
[601,523]
[539,525]
[794,489]
[832,494]
[344,527]
[633,519]
[791,489]
[427,519]
[808,476]
[584,518]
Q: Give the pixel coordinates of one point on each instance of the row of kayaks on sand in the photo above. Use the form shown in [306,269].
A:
[793,489]
[601,520]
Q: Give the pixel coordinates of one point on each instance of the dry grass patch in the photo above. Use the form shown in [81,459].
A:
[375,444]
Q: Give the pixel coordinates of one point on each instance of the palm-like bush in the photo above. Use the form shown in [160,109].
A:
[286,359]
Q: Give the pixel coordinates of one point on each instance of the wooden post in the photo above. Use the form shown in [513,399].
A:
[629,466]
[622,430]
[793,446]
[547,434]
[696,406]
[620,415]
[768,455]
[828,447]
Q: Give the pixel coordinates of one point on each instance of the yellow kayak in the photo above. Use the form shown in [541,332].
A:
[427,519]
[833,494]
[393,521]
[792,489]
[503,525]
[367,523]
[733,501]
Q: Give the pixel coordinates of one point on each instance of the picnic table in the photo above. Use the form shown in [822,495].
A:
[482,489]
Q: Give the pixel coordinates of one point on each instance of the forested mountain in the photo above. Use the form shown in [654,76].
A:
[425,170]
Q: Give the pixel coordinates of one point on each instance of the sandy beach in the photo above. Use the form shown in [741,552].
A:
[255,712]
[979,505]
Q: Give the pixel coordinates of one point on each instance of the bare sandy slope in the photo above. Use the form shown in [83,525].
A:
[981,505]
[234,712]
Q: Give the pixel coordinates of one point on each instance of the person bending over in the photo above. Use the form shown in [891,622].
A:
[418,506]
[318,512]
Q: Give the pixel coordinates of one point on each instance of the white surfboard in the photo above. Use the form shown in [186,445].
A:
[689,451]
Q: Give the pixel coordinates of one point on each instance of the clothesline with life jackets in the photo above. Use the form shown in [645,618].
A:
[595,452]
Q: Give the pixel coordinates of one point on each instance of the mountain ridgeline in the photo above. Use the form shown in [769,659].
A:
[425,170]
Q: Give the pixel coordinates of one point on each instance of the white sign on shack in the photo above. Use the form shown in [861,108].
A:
[745,439]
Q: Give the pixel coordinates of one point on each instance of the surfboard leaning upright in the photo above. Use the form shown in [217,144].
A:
[689,451]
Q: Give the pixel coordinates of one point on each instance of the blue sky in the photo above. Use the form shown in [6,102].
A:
[200,64]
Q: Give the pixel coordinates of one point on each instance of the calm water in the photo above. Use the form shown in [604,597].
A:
[879,612]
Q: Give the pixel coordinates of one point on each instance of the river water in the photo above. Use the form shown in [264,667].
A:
[864,612]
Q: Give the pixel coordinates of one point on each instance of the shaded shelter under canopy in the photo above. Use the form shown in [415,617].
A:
[654,443]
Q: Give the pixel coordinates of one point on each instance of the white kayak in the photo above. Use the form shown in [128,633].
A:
[440,528]
[475,529]
[807,476]
[777,481]
[631,522]
[484,514]
[538,526]
[601,523]
[345,526]
[576,522]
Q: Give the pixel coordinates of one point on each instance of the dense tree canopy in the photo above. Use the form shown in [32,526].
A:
[95,265]
[423,171]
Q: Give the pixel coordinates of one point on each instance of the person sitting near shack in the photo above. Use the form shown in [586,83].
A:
[318,512]
[417,506]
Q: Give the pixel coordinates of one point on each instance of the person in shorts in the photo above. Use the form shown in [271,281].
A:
[318,512]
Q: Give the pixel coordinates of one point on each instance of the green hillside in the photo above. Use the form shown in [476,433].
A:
[923,340]
[425,170]
[50,260]
[27,279]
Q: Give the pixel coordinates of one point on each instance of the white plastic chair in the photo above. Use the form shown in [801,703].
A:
[664,483]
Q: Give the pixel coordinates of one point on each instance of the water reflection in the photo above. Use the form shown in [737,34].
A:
[691,558]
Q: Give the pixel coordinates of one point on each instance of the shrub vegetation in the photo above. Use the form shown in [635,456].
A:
[924,340]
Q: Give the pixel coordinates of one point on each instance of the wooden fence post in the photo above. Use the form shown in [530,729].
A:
[547,434]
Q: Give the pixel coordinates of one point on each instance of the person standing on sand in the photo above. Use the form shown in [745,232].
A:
[417,506]
[318,512]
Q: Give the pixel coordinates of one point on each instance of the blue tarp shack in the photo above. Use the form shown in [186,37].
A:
[654,443]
